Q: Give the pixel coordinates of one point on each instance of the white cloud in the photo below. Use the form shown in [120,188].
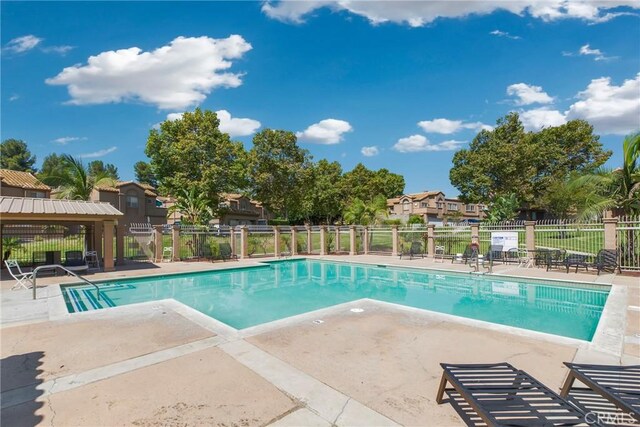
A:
[538,118]
[235,126]
[60,50]
[14,97]
[446,126]
[22,44]
[528,94]
[419,13]
[178,75]
[417,143]
[328,131]
[99,153]
[67,139]
[504,34]
[174,116]
[370,151]
[610,109]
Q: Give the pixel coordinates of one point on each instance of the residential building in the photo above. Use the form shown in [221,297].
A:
[433,207]
[138,202]
[22,184]
[235,209]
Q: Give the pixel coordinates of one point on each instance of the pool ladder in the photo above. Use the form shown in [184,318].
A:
[58,266]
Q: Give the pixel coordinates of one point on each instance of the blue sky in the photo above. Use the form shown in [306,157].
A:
[395,85]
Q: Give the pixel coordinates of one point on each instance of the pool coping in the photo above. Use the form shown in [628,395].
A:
[608,337]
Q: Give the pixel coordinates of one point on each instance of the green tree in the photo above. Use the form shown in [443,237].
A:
[415,219]
[563,198]
[360,212]
[74,180]
[15,155]
[508,160]
[193,206]
[53,165]
[97,167]
[192,152]
[279,172]
[144,173]
[503,208]
[615,190]
[323,200]
[365,184]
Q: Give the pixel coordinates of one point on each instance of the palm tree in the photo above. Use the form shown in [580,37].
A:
[74,181]
[614,190]
[193,206]
[503,208]
[359,212]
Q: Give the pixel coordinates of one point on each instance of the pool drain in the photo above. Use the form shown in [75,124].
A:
[356,310]
[317,322]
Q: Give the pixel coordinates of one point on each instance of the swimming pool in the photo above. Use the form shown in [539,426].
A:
[246,297]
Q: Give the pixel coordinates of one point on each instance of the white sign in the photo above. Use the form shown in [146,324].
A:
[506,239]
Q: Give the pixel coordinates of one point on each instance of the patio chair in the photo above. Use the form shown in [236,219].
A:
[224,249]
[556,258]
[541,257]
[607,260]
[438,256]
[493,254]
[23,280]
[577,261]
[512,256]
[167,254]
[469,252]
[414,251]
[610,389]
[75,261]
[501,395]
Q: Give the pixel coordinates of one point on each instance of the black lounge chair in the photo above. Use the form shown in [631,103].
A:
[501,395]
[493,254]
[74,261]
[556,258]
[605,385]
[414,251]
[470,252]
[577,261]
[225,252]
[607,260]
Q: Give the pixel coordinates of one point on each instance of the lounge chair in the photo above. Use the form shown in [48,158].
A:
[470,252]
[577,261]
[493,254]
[225,252]
[75,261]
[607,260]
[501,395]
[556,258]
[619,385]
[414,251]
[23,280]
[512,256]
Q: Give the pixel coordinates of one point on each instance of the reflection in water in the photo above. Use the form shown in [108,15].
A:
[251,296]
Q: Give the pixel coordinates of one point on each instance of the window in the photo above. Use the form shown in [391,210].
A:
[424,205]
[37,194]
[439,205]
[405,206]
[452,206]
[471,208]
[132,202]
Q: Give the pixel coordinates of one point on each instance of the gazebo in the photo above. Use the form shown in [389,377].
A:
[99,217]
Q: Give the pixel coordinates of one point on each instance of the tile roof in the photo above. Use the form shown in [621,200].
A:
[21,180]
[148,189]
[54,207]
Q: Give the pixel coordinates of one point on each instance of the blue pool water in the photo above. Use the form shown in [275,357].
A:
[246,297]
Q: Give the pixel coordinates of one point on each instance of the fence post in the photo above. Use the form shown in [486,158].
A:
[530,235]
[157,242]
[610,238]
[175,242]
[475,234]
[431,240]
[337,239]
[309,241]
[294,241]
[353,248]
[108,246]
[276,240]
[120,230]
[394,240]
[323,240]
[244,242]
[232,239]
[365,238]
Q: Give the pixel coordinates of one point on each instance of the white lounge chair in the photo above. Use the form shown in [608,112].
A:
[22,279]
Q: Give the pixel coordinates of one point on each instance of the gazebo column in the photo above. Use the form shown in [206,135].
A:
[119,244]
[108,245]
[97,238]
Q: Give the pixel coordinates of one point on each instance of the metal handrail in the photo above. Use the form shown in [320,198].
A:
[51,267]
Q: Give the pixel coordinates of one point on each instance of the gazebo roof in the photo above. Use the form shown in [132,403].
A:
[30,209]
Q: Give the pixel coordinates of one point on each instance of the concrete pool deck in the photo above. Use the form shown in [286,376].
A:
[163,363]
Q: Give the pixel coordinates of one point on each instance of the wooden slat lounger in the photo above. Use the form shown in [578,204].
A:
[501,395]
[619,385]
